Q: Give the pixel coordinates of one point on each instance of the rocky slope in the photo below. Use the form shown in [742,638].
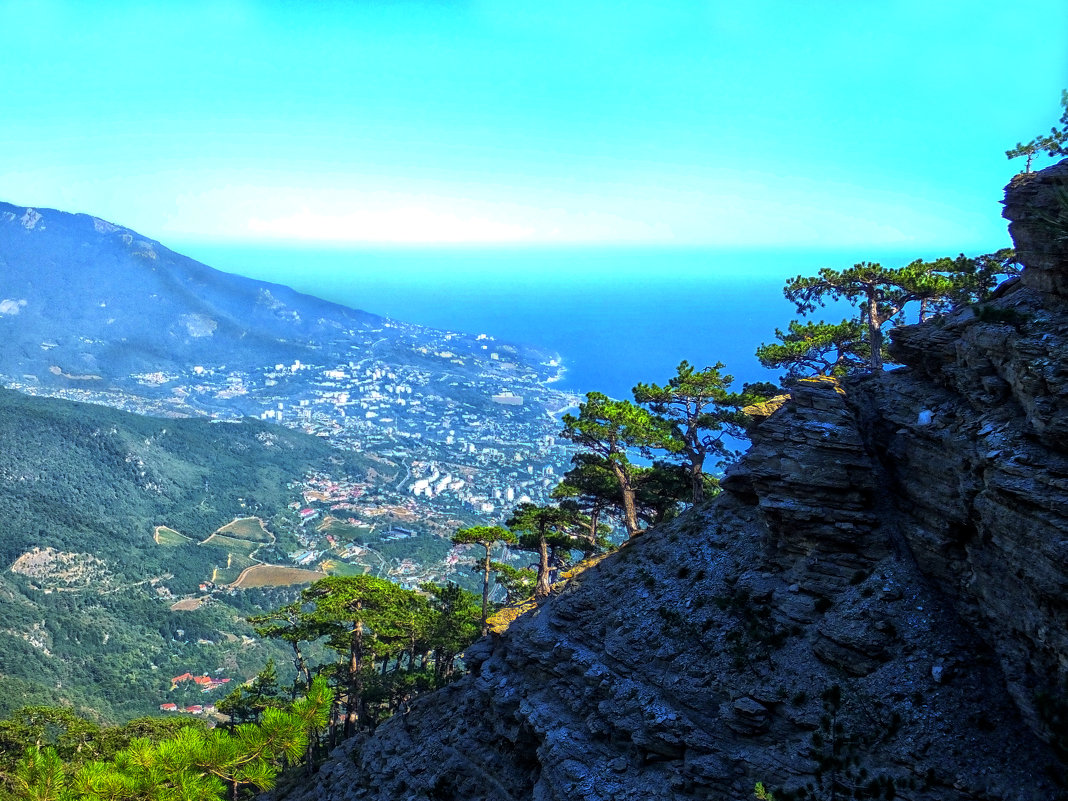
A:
[877,602]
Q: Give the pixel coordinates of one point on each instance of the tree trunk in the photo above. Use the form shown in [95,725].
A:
[630,510]
[697,477]
[543,587]
[485,590]
[335,714]
[355,678]
[309,752]
[302,669]
[875,333]
[439,667]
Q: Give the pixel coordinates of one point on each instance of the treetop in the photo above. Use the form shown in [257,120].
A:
[483,535]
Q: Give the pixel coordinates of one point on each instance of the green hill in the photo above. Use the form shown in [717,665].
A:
[87,589]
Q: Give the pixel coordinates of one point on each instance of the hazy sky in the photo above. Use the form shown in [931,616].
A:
[722,123]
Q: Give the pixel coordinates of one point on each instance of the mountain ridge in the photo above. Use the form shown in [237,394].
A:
[98,268]
[873,608]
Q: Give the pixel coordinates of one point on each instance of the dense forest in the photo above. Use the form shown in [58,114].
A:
[87,619]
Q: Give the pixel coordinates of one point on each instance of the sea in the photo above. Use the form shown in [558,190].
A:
[616,316]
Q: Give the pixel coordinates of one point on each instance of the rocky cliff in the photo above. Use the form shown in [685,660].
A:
[876,603]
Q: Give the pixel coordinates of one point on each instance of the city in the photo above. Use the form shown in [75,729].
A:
[455,429]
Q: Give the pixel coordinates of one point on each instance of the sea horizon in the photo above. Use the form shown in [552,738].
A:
[616,316]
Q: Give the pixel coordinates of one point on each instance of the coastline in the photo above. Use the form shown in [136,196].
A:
[570,398]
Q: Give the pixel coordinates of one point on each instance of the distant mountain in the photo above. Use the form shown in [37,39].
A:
[91,298]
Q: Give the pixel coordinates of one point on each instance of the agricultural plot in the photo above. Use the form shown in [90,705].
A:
[275,576]
[342,531]
[232,545]
[246,528]
[235,564]
[188,604]
[168,537]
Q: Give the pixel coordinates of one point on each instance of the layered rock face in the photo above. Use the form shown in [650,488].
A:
[877,603]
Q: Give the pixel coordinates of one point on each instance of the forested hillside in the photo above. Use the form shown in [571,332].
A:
[82,491]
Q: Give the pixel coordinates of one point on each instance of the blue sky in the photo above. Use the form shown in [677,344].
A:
[798,124]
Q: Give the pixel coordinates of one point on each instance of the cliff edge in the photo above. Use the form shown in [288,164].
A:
[877,604]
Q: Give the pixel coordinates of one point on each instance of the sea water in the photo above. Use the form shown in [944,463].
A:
[616,316]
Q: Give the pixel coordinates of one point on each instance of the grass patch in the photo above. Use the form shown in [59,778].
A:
[335,567]
[168,537]
[235,564]
[344,532]
[231,545]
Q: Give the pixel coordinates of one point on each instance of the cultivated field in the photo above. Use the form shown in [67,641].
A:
[275,576]
[188,605]
[246,528]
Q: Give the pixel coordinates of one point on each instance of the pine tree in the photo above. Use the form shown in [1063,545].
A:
[518,582]
[541,529]
[247,704]
[455,626]
[610,429]
[354,612]
[289,624]
[1055,143]
[487,537]
[195,763]
[881,296]
[828,349]
[700,410]
[591,490]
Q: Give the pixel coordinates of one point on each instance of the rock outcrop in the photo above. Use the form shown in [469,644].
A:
[879,599]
